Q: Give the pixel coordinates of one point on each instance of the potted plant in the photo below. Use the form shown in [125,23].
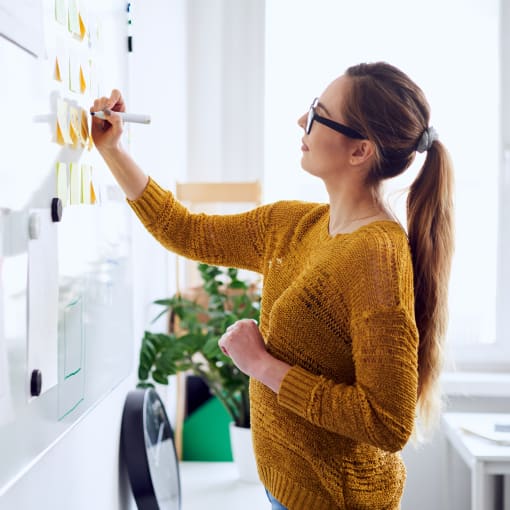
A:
[197,322]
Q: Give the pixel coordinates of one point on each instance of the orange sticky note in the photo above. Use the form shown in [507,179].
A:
[58,74]
[83,81]
[92,193]
[74,125]
[60,136]
[84,132]
[62,131]
[83,28]
[91,143]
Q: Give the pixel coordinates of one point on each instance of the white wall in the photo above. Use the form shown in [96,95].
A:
[225,89]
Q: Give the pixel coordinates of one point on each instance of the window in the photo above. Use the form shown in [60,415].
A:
[458,53]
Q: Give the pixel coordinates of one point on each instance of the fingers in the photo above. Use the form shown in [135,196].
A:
[235,329]
[108,105]
[114,102]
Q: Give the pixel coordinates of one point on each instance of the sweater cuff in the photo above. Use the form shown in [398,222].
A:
[149,203]
[296,390]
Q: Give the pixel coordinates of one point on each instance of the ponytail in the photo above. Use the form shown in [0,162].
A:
[430,230]
[392,111]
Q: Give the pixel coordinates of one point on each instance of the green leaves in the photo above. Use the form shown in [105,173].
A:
[194,344]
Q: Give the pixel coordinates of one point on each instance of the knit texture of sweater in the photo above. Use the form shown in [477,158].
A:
[339,310]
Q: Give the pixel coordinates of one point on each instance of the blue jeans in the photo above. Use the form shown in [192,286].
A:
[275,504]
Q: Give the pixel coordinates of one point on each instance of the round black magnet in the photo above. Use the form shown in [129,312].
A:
[35,383]
[56,209]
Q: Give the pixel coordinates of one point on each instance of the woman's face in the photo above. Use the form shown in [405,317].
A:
[326,151]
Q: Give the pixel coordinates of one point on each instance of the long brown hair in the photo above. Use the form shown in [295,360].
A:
[392,111]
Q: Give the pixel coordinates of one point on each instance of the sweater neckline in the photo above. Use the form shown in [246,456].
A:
[326,236]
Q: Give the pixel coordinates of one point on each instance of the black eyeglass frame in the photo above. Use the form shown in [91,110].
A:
[336,126]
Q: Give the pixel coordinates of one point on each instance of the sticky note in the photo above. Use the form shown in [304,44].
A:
[61,11]
[62,134]
[75,183]
[74,17]
[74,125]
[83,28]
[86,181]
[83,79]
[74,72]
[84,131]
[93,198]
[57,75]
[62,187]
[61,72]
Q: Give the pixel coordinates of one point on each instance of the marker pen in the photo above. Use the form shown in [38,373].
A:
[126,117]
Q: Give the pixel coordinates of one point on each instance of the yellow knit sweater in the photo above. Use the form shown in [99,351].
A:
[340,311]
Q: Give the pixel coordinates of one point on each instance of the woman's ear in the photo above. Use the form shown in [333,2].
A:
[363,151]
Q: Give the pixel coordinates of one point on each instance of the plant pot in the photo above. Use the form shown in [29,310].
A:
[242,452]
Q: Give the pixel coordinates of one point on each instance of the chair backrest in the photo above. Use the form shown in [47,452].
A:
[219,192]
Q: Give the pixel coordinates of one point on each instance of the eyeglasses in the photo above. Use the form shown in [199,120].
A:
[340,128]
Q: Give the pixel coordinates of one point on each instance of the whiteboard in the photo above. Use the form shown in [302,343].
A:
[65,286]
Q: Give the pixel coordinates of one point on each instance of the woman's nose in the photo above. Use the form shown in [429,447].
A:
[302,121]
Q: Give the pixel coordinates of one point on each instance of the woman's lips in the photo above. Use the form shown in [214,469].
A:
[304,147]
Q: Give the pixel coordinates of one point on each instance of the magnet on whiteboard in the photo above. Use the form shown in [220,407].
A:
[35,383]
[56,209]
[34,226]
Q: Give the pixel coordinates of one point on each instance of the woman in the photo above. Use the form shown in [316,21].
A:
[353,309]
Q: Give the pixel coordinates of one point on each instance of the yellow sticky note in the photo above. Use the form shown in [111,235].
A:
[62,134]
[59,135]
[84,131]
[74,125]
[58,74]
[93,198]
[83,81]
[61,61]
[61,11]
[86,181]
[62,188]
[73,17]
[83,28]
[75,183]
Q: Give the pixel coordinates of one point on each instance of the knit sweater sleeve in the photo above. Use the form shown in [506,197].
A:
[235,240]
[379,407]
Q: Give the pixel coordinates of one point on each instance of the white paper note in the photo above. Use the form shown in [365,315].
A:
[42,335]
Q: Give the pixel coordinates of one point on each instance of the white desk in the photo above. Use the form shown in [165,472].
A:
[215,486]
[483,457]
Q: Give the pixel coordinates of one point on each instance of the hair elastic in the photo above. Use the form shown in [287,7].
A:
[428,137]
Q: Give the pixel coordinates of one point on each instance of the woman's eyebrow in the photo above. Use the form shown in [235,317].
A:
[320,105]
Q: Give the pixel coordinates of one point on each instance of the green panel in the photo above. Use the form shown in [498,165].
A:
[206,435]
